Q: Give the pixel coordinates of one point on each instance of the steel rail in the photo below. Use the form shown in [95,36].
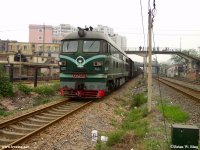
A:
[16,119]
[72,107]
[193,93]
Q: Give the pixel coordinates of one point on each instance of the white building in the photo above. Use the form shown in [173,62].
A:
[176,70]
[118,39]
[123,43]
[104,29]
[60,31]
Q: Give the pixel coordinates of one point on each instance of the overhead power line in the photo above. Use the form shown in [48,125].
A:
[142,23]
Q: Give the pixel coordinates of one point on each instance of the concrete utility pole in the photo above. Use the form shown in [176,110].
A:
[145,68]
[150,62]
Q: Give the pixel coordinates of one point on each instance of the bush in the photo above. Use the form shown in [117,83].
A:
[138,100]
[6,87]
[56,86]
[24,88]
[115,137]
[40,100]
[134,116]
[45,90]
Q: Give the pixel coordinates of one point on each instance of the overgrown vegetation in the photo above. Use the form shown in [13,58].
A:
[41,100]
[45,90]
[134,122]
[6,87]
[24,88]
[4,113]
[43,96]
[138,100]
[173,113]
[115,137]
[180,60]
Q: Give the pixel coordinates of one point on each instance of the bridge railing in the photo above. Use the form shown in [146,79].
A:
[153,49]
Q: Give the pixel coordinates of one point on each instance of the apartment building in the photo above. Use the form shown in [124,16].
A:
[4,45]
[118,39]
[27,48]
[60,31]
[54,34]
[48,33]
[40,33]
[104,29]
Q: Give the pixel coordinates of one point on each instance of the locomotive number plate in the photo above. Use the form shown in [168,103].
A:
[79,75]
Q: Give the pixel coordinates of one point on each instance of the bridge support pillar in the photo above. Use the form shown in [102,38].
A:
[189,64]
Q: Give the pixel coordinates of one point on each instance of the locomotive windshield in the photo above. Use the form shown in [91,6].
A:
[91,46]
[70,46]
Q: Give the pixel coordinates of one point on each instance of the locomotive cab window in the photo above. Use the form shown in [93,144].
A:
[70,46]
[104,47]
[91,46]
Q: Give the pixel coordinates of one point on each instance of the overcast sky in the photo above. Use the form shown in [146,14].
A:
[176,22]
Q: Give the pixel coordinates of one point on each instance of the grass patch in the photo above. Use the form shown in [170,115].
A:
[133,112]
[119,111]
[136,114]
[102,146]
[40,100]
[113,122]
[56,86]
[141,129]
[138,99]
[4,113]
[134,122]
[174,113]
[24,88]
[115,137]
[45,90]
[155,145]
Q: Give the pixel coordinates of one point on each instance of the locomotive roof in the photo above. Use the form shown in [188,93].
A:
[92,35]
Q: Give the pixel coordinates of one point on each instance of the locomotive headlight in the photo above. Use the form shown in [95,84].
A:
[97,63]
[62,63]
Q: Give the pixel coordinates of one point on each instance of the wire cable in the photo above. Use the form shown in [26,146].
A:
[142,22]
[160,93]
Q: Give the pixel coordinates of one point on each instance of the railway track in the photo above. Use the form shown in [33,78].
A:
[191,92]
[184,80]
[19,129]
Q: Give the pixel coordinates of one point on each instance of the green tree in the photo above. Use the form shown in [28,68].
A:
[177,59]
[192,52]
[180,60]
[6,87]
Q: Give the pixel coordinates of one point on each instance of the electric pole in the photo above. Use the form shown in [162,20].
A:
[150,61]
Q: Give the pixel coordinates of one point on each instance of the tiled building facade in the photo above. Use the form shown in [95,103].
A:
[54,34]
[40,33]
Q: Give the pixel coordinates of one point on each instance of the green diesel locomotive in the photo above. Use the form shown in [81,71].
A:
[91,65]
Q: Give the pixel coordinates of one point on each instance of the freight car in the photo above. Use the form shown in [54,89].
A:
[91,65]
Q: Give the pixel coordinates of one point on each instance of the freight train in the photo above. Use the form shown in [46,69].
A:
[92,65]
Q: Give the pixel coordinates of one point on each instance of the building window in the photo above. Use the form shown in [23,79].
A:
[40,30]
[17,47]
[25,47]
[40,37]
